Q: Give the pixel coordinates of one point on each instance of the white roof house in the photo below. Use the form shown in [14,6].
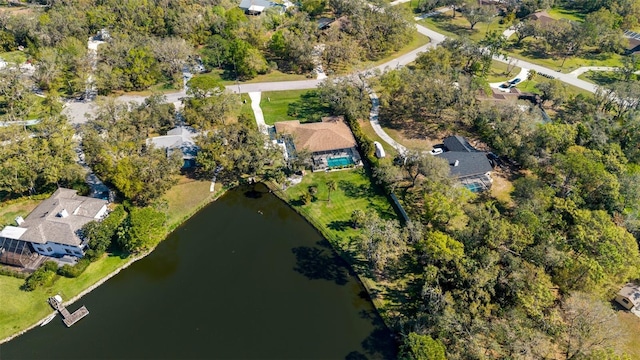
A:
[629,297]
[180,138]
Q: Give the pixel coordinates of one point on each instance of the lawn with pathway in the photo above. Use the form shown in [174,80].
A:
[303,105]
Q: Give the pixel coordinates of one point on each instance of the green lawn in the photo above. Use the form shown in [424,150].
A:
[19,207]
[21,309]
[459,26]
[529,86]
[498,72]
[603,77]
[273,76]
[302,105]
[15,57]
[560,13]
[418,41]
[332,218]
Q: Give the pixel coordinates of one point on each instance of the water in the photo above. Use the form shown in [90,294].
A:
[340,161]
[246,278]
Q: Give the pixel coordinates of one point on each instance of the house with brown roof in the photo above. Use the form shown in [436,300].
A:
[629,297]
[542,17]
[330,142]
[52,228]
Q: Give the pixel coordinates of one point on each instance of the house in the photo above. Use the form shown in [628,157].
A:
[542,17]
[470,166]
[629,297]
[52,228]
[634,45]
[257,7]
[178,139]
[330,142]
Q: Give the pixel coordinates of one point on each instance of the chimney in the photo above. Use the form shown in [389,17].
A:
[456,163]
[19,220]
[63,213]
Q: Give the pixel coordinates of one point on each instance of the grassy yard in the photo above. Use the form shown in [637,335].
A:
[302,105]
[560,13]
[332,218]
[459,26]
[418,41]
[603,77]
[498,72]
[21,309]
[273,76]
[629,325]
[15,57]
[371,135]
[19,207]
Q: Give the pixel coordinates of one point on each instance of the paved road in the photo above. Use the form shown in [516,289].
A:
[76,111]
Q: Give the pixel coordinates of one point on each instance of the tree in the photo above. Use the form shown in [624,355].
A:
[422,347]
[476,13]
[554,91]
[630,64]
[525,29]
[331,186]
[143,229]
[590,325]
[172,53]
[358,218]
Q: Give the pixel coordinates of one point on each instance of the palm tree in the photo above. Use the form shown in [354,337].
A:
[331,185]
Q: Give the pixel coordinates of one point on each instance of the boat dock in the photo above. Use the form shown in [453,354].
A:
[67,317]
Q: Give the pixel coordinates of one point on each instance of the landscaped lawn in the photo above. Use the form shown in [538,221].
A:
[498,72]
[560,13]
[418,41]
[459,26]
[187,197]
[302,105]
[332,218]
[19,207]
[602,77]
[273,76]
[21,309]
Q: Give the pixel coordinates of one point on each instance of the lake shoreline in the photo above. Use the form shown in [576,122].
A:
[101,281]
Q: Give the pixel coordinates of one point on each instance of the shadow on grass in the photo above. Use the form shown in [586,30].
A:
[309,108]
[339,225]
[321,263]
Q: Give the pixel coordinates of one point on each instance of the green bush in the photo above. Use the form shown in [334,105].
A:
[44,276]
[74,271]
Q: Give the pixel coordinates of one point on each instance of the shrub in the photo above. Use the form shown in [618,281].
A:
[44,276]
[74,271]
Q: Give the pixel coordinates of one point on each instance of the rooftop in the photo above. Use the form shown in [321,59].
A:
[57,219]
[332,133]
[258,5]
[631,292]
[179,138]
[469,163]
[458,143]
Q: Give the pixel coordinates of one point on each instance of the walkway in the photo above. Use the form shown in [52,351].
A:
[375,124]
[257,111]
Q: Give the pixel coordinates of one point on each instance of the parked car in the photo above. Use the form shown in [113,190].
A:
[436,151]
[515,81]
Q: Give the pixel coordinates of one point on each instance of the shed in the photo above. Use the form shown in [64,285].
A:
[629,296]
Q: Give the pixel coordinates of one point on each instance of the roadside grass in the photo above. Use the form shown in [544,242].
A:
[245,108]
[424,144]
[273,76]
[21,309]
[460,26]
[303,105]
[629,325]
[418,41]
[498,72]
[355,191]
[19,207]
[603,77]
[14,57]
[528,51]
[529,86]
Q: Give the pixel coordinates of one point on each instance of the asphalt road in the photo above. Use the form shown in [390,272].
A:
[77,111]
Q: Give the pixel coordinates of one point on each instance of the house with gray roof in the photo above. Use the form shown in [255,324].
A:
[257,7]
[53,227]
[470,166]
[180,139]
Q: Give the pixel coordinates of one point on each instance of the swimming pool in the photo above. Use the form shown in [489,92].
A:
[340,161]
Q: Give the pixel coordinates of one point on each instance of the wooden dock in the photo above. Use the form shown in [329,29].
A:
[67,317]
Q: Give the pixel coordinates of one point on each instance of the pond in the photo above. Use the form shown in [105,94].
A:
[245,278]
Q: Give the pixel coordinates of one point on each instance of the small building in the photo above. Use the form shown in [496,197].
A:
[629,297]
[379,150]
[52,228]
[633,47]
[178,139]
[330,142]
[542,17]
[470,166]
[257,7]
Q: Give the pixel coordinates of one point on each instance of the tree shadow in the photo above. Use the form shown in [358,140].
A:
[338,225]
[316,263]
[380,343]
[355,191]
[356,355]
[603,77]
[310,107]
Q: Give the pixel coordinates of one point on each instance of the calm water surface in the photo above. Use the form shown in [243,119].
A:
[246,278]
